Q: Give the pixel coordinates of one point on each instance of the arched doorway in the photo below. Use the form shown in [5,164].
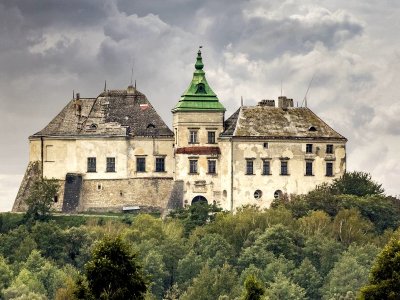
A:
[199,199]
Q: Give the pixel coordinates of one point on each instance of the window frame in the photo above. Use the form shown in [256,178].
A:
[140,162]
[309,168]
[91,165]
[284,167]
[211,166]
[193,166]
[309,148]
[110,164]
[249,166]
[266,162]
[329,168]
[160,164]
[211,137]
[329,149]
[193,136]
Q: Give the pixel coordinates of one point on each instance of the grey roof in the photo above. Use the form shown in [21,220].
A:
[277,123]
[112,113]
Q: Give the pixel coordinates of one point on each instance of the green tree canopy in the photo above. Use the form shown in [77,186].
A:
[385,274]
[358,184]
[113,273]
[40,199]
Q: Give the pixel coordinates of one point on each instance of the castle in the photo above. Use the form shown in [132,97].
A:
[114,152]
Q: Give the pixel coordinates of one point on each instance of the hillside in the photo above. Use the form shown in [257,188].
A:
[316,246]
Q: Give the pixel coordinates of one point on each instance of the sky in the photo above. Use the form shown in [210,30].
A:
[349,49]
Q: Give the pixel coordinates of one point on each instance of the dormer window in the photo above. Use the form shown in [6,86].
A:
[201,89]
[93,126]
[312,129]
[151,126]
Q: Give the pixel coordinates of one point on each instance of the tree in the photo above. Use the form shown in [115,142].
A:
[113,273]
[211,284]
[316,222]
[253,288]
[5,274]
[283,288]
[308,278]
[41,198]
[385,274]
[281,240]
[349,226]
[348,275]
[356,183]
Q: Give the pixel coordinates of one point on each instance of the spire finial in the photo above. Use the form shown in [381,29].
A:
[73,94]
[105,85]
[199,61]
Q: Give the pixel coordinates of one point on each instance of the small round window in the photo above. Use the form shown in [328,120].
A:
[278,194]
[257,194]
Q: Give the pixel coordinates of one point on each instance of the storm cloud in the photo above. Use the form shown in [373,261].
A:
[252,49]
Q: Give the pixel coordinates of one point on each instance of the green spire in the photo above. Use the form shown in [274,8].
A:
[199,95]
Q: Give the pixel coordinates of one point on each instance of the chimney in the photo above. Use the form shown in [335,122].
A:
[270,103]
[284,102]
[78,105]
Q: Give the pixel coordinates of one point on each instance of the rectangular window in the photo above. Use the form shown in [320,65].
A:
[211,137]
[329,169]
[160,164]
[193,166]
[265,145]
[91,164]
[309,148]
[212,167]
[110,164]
[266,167]
[193,137]
[284,168]
[140,164]
[249,167]
[329,149]
[309,166]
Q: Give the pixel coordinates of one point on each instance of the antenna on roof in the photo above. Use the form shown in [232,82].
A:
[105,85]
[308,89]
[73,94]
[135,84]
[132,74]
[281,86]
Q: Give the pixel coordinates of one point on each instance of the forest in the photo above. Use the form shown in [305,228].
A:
[322,245]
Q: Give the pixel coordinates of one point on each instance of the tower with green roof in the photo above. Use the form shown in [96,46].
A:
[199,96]
[198,109]
[198,120]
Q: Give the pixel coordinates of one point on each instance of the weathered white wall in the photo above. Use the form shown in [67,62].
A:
[296,182]
[70,156]
[202,121]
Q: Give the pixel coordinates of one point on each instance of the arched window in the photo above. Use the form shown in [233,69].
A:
[278,194]
[151,126]
[199,199]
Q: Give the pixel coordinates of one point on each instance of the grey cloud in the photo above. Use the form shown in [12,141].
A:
[60,13]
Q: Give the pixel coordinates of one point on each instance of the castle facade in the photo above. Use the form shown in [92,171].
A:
[114,152]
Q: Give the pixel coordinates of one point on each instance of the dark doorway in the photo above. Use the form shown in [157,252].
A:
[199,199]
